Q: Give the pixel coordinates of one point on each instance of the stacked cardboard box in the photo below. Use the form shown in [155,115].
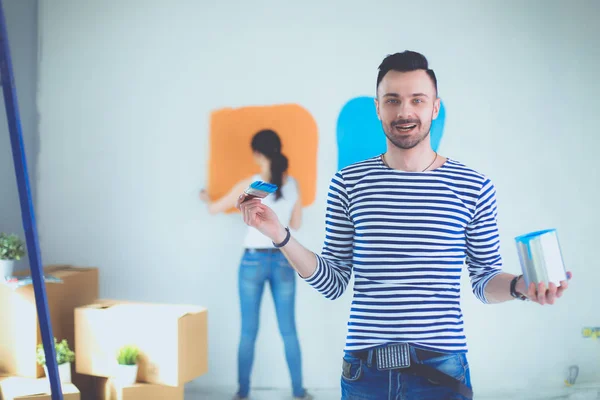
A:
[20,333]
[172,339]
[108,390]
[17,388]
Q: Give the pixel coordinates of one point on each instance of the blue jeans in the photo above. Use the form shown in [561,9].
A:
[362,380]
[256,269]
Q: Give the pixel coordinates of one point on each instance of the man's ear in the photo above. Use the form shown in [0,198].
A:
[436,107]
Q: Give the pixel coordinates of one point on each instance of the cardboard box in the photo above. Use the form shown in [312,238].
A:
[139,391]
[173,340]
[20,333]
[18,388]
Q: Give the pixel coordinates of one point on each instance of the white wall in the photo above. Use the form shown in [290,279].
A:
[21,21]
[125,93]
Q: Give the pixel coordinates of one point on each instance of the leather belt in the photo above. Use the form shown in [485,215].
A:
[422,354]
[265,250]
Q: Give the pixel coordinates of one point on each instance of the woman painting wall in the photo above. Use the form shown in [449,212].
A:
[262,263]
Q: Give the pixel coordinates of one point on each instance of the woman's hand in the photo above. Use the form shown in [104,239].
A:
[204,196]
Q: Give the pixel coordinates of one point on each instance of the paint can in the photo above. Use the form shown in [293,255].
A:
[541,258]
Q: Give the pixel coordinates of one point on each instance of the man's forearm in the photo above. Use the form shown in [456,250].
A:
[497,289]
[302,260]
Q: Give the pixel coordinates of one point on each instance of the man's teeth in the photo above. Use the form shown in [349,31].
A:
[407,128]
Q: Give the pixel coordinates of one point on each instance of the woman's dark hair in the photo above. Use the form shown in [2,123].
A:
[267,143]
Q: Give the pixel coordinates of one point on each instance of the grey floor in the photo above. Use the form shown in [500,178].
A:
[583,393]
[260,394]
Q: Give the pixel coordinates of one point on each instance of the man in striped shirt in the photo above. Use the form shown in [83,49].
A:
[405,223]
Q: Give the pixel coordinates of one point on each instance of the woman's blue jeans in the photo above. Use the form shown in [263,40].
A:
[258,268]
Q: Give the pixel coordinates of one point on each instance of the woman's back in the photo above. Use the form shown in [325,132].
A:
[283,207]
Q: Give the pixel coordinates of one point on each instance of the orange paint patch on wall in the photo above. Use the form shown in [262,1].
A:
[231,131]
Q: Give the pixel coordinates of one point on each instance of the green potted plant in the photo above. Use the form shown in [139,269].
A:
[64,357]
[12,249]
[127,359]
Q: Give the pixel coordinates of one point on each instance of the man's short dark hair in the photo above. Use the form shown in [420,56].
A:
[405,62]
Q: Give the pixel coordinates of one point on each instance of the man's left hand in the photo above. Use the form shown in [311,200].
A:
[542,295]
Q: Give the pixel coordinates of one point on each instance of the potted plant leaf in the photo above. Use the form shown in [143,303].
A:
[127,359]
[64,357]
[12,249]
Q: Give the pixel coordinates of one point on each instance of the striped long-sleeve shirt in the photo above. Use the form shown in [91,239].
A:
[406,237]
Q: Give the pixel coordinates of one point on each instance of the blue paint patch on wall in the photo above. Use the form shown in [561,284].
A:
[359,132]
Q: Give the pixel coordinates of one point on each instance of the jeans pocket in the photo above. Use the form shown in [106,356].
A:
[351,368]
[454,365]
[286,272]
[252,257]
[249,266]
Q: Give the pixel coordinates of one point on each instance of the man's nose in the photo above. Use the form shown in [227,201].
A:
[405,111]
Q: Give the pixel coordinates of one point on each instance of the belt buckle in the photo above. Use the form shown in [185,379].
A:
[393,356]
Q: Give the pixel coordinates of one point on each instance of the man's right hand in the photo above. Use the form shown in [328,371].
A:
[261,217]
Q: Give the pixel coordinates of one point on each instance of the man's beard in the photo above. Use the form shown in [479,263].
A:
[407,141]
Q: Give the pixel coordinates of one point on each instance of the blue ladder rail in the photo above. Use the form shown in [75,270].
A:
[27,213]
